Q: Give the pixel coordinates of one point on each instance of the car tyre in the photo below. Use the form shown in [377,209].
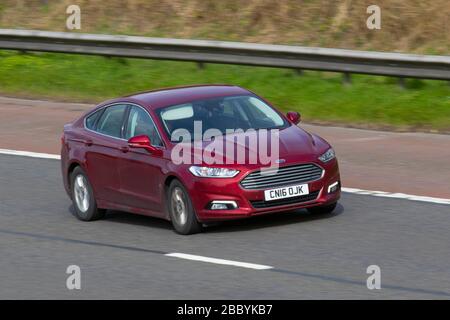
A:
[181,211]
[83,197]
[323,209]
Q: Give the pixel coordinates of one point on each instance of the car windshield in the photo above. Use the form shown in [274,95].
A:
[224,114]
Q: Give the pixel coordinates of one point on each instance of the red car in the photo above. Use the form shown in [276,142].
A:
[125,155]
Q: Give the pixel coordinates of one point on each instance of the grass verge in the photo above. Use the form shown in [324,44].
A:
[369,102]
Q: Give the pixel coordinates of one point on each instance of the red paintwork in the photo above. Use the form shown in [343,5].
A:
[143,142]
[134,178]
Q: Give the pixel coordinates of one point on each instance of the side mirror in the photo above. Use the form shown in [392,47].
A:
[293,117]
[143,142]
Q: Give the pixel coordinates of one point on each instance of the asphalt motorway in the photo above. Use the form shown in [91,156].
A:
[123,256]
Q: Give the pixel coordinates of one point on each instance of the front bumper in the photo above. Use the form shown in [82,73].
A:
[203,191]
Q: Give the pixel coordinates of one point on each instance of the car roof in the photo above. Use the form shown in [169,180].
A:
[177,95]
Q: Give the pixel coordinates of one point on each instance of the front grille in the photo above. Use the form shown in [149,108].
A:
[283,176]
[282,202]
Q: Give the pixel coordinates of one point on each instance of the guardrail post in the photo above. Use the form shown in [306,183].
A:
[401,82]
[299,72]
[346,78]
[201,65]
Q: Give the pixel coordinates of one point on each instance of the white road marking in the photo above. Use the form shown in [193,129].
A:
[364,139]
[30,154]
[218,261]
[348,190]
[396,195]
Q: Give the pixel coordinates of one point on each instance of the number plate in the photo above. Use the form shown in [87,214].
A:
[286,192]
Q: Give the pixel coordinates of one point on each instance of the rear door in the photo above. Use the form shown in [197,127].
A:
[141,177]
[104,151]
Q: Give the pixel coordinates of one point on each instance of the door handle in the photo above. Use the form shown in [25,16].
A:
[88,142]
[124,149]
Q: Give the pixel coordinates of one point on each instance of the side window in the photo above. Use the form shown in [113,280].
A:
[90,120]
[140,123]
[110,122]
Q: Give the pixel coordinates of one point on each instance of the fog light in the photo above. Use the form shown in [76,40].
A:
[219,206]
[222,205]
[333,187]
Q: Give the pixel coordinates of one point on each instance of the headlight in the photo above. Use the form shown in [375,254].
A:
[208,172]
[327,156]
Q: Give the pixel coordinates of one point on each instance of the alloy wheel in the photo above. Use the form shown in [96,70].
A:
[81,193]
[179,206]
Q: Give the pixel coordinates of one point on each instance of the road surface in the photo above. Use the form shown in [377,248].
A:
[125,256]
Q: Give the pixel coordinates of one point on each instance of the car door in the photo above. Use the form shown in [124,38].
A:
[141,177]
[103,151]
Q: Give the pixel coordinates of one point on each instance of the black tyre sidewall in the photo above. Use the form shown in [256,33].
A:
[192,225]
